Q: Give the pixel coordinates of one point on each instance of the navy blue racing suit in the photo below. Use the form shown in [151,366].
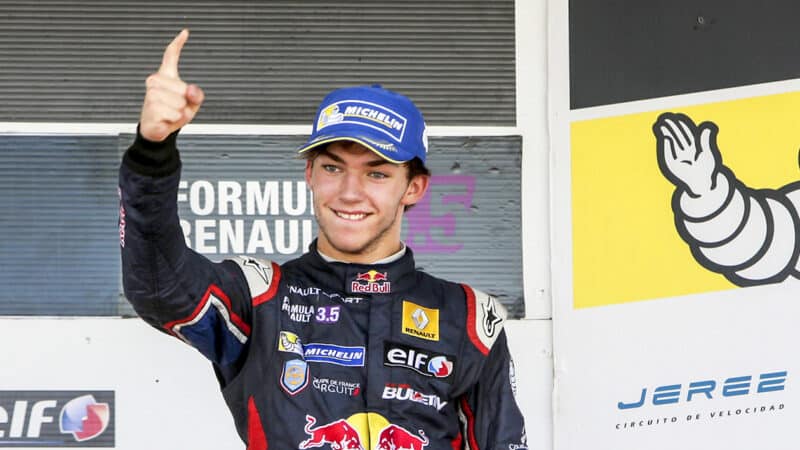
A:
[318,354]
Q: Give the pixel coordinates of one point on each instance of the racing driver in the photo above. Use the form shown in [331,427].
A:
[350,345]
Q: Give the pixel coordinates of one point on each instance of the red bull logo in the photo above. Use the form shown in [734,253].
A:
[371,282]
[395,437]
[346,434]
[340,435]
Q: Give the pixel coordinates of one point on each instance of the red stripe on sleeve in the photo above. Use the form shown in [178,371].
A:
[273,286]
[241,324]
[200,305]
[472,321]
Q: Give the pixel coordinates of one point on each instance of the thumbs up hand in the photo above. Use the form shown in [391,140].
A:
[169,103]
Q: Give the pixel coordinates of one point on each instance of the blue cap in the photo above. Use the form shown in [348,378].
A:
[385,122]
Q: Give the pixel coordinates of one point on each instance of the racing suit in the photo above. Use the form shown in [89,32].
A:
[314,353]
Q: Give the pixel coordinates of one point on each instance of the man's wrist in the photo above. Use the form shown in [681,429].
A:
[150,158]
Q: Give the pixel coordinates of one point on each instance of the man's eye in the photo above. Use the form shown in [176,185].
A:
[378,175]
[330,168]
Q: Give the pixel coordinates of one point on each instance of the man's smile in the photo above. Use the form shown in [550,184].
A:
[352,216]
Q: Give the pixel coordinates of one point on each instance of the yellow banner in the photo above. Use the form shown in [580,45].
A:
[625,244]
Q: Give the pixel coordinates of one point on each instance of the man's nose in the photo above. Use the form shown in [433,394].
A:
[353,186]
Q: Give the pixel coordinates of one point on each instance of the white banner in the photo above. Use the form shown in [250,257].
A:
[675,263]
[165,392]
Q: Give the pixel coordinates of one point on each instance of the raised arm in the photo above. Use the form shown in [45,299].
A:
[170,286]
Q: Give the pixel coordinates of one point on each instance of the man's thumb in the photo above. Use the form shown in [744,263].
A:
[194,95]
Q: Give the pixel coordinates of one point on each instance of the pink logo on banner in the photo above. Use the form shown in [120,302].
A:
[421,220]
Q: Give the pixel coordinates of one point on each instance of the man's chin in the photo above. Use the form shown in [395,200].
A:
[349,248]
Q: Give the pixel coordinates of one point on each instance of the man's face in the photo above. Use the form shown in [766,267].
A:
[358,201]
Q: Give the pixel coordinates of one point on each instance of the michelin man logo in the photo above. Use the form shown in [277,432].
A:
[329,116]
[750,236]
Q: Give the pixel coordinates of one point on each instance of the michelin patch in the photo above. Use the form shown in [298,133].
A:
[367,114]
[334,354]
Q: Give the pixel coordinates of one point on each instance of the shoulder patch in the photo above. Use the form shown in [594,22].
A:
[262,277]
[485,317]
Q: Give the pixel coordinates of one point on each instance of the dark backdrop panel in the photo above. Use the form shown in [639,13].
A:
[626,50]
[259,62]
[59,251]
[59,241]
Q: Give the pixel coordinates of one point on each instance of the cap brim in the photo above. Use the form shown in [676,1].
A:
[314,144]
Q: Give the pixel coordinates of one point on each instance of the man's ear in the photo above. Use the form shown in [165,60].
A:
[416,189]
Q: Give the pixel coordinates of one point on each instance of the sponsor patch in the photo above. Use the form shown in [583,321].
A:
[327,314]
[346,434]
[316,292]
[367,114]
[295,376]
[328,385]
[57,419]
[396,437]
[393,391]
[259,274]
[429,364]
[371,282]
[290,342]
[491,316]
[339,435]
[420,322]
[485,317]
[297,313]
[334,354]
[304,291]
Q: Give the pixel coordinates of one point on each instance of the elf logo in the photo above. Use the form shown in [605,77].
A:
[56,418]
[423,362]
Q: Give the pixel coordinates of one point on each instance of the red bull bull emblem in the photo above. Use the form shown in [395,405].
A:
[395,437]
[371,282]
[340,435]
[353,433]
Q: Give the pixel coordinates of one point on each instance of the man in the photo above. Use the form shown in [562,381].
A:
[348,346]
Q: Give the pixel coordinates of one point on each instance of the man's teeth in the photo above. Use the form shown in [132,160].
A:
[351,216]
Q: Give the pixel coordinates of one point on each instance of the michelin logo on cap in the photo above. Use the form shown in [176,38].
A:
[358,112]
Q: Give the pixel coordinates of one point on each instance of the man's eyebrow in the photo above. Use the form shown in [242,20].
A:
[330,155]
[378,162]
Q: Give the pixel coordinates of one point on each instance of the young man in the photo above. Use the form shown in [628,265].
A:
[349,345]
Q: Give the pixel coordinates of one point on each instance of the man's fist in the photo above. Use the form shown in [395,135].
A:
[169,103]
[687,154]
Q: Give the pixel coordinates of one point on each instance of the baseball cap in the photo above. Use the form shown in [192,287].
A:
[385,122]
